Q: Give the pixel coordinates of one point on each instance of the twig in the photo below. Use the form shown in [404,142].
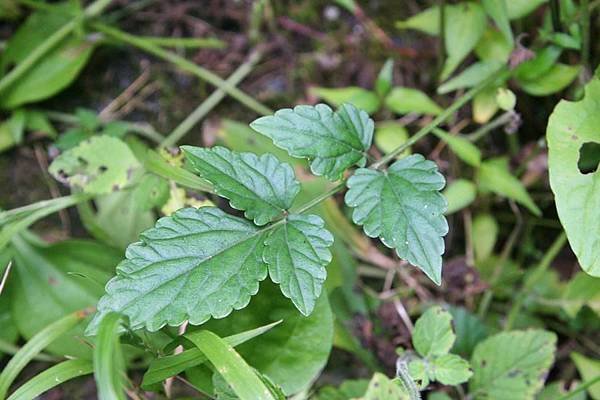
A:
[125,96]
[403,315]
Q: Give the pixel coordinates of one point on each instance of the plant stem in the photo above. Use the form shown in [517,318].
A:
[581,388]
[185,65]
[534,278]
[306,206]
[53,40]
[502,119]
[207,105]
[502,73]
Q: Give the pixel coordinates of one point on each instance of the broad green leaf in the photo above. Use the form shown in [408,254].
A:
[495,177]
[520,8]
[485,105]
[556,79]
[581,290]
[427,21]
[389,135]
[498,11]
[297,253]
[463,148]
[402,100]
[588,369]
[571,125]
[360,98]
[403,207]
[470,76]
[109,365]
[51,377]
[469,331]
[459,194]
[512,365]
[485,232]
[493,46]
[465,24]
[450,369]
[433,334]
[293,353]
[99,165]
[49,282]
[231,366]
[55,71]
[195,264]
[333,141]
[539,65]
[262,186]
[385,79]
[383,388]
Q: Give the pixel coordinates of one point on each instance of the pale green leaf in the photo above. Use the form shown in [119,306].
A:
[450,369]
[485,232]
[498,11]
[520,8]
[459,194]
[577,195]
[333,141]
[512,365]
[495,177]
[297,253]
[389,135]
[262,186]
[195,264]
[360,98]
[465,24]
[402,100]
[581,290]
[433,334]
[485,105]
[385,79]
[557,390]
[403,207]
[470,76]
[506,99]
[493,46]
[463,148]
[383,388]
[427,21]
[99,165]
[588,369]
[556,79]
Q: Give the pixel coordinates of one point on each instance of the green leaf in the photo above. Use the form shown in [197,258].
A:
[262,186]
[498,11]
[433,334]
[450,369]
[581,290]
[485,105]
[50,378]
[360,98]
[109,369]
[571,125]
[385,79]
[539,65]
[485,233]
[100,165]
[556,79]
[165,367]
[557,390]
[465,24]
[34,346]
[195,264]
[383,388]
[349,389]
[403,207]
[297,253]
[427,21]
[292,354]
[512,365]
[459,194]
[55,71]
[49,282]
[389,135]
[463,148]
[333,141]
[588,369]
[402,100]
[469,331]
[506,99]
[493,46]
[520,8]
[495,177]
[231,366]
[470,76]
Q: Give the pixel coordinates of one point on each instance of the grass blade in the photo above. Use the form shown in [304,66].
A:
[232,367]
[34,346]
[52,377]
[108,359]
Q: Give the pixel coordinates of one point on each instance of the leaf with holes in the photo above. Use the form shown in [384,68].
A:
[572,127]
[263,187]
[297,253]
[193,265]
[332,141]
[99,165]
[512,365]
[403,207]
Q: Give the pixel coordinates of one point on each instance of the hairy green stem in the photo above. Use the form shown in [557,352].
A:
[407,381]
[183,64]
[53,40]
[534,278]
[207,105]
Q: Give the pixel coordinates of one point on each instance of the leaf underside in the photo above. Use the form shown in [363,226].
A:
[262,186]
[404,208]
[332,141]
